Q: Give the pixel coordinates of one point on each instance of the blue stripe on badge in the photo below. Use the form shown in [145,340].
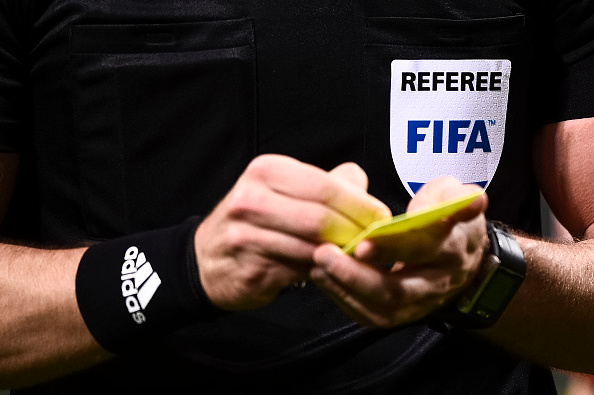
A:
[415,186]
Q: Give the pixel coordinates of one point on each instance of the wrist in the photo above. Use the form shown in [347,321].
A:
[141,286]
[501,272]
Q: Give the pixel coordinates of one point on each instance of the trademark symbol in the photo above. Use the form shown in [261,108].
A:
[492,122]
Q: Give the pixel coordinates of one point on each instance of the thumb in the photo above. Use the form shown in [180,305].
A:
[447,188]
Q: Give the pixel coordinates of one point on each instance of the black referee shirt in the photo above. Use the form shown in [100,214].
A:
[133,115]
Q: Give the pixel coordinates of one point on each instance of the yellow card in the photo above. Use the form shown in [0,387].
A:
[410,221]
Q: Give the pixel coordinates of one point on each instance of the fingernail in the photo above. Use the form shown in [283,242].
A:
[323,255]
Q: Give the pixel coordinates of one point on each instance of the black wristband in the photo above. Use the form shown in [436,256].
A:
[142,286]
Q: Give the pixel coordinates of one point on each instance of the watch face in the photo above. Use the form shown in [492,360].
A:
[502,285]
[496,286]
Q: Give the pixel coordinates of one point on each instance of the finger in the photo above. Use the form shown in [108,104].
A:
[390,301]
[293,178]
[242,239]
[354,277]
[254,203]
[380,297]
[447,188]
[345,300]
[436,244]
[353,173]
[416,305]
[271,244]
[416,245]
[384,287]
[354,309]
[420,243]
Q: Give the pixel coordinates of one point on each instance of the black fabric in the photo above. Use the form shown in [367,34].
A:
[133,115]
[133,290]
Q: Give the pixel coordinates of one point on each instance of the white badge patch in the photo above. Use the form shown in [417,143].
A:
[447,117]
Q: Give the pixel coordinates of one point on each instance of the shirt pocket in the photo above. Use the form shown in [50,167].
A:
[164,119]
[452,47]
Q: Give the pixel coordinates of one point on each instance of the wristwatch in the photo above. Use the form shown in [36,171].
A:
[501,273]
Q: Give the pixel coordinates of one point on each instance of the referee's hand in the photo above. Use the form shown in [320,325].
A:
[400,279]
[261,237]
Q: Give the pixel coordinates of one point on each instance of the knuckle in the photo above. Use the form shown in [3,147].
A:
[261,166]
[254,277]
[237,239]
[357,172]
[244,200]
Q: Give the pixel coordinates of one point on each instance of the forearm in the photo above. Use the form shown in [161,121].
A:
[551,318]
[42,334]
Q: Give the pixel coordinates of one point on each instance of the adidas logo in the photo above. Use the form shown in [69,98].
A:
[139,283]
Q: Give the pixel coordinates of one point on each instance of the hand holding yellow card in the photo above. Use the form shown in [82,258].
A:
[413,220]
